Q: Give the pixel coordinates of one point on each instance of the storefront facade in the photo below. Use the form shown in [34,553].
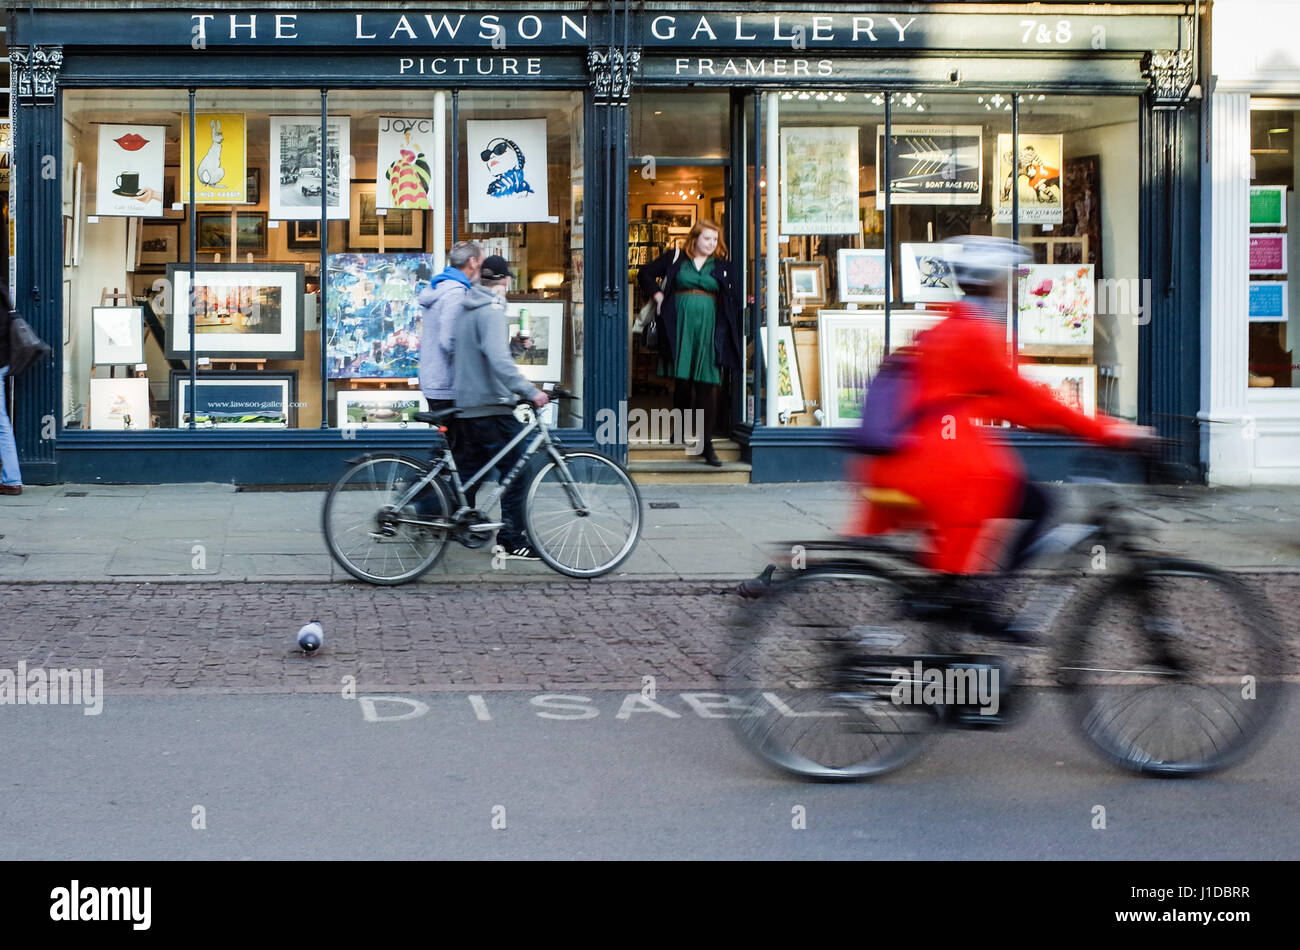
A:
[1251,315]
[266,330]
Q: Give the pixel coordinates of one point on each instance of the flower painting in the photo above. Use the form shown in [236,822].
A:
[1058,304]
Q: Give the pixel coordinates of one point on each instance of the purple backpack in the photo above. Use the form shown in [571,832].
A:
[888,410]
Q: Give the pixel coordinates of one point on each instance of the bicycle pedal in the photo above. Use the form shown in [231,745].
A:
[487,526]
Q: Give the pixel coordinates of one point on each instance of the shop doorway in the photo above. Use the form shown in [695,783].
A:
[679,174]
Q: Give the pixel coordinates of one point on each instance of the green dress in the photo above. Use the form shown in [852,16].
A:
[697,317]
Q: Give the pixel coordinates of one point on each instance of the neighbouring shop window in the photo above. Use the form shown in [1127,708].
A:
[263,310]
[1076,307]
[1272,359]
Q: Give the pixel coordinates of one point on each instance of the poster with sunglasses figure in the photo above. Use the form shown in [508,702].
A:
[507,170]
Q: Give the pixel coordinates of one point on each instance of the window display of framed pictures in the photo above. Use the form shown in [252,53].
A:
[926,274]
[379,408]
[214,232]
[1075,386]
[789,387]
[403,227]
[235,400]
[805,282]
[118,336]
[537,338]
[240,310]
[119,403]
[861,275]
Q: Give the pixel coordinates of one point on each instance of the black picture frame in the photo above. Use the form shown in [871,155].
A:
[285,345]
[303,234]
[178,381]
[253,187]
[218,222]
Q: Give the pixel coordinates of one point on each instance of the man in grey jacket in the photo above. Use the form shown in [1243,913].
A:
[488,384]
[440,305]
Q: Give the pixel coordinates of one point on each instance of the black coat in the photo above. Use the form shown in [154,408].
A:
[727,340]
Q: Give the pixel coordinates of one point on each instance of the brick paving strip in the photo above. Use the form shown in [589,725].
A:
[559,636]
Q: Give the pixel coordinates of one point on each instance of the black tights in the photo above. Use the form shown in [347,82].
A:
[701,400]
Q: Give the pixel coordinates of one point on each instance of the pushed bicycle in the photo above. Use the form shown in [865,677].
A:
[846,664]
[389,517]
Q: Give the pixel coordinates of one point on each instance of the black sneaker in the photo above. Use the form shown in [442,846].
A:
[522,552]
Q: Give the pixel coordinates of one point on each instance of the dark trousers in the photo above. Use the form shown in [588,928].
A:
[477,440]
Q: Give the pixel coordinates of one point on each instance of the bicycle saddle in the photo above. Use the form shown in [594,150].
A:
[436,418]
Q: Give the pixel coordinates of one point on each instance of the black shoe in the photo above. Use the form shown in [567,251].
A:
[518,551]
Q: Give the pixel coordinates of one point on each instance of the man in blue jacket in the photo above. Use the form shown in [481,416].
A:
[440,305]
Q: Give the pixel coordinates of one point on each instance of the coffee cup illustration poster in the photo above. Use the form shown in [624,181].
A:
[222,169]
[129,181]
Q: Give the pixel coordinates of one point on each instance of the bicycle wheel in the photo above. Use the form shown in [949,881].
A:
[1175,669]
[365,533]
[587,541]
[814,666]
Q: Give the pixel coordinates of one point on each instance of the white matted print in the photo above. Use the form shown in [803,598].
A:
[536,338]
[1037,175]
[1057,304]
[1074,386]
[932,165]
[507,170]
[129,180]
[402,167]
[295,172]
[119,403]
[819,180]
[861,275]
[118,336]
[927,275]
[240,310]
[851,346]
[380,408]
[789,387]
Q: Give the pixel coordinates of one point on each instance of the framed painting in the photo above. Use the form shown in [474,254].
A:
[253,187]
[1075,386]
[1057,305]
[214,232]
[117,336]
[679,218]
[403,227]
[805,282]
[1081,218]
[851,345]
[379,408]
[789,387]
[927,276]
[819,180]
[537,338]
[119,403]
[372,320]
[249,311]
[235,400]
[303,234]
[160,243]
[861,274]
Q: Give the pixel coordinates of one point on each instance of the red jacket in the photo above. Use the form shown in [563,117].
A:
[960,473]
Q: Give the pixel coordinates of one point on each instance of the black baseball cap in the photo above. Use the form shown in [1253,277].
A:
[495,267]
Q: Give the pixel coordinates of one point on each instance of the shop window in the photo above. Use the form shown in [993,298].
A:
[1075,309]
[277,344]
[1272,359]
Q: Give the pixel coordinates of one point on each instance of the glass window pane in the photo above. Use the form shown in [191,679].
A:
[1274,318]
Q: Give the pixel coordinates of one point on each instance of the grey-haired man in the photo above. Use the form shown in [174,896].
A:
[440,305]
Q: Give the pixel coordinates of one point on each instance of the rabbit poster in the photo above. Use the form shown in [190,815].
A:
[221,173]
[507,170]
[129,179]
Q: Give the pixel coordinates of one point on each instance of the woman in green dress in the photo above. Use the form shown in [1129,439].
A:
[699,317]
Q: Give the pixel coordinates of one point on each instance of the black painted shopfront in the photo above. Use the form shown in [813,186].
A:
[646,117]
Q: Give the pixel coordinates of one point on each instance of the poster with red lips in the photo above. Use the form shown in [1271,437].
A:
[129,179]
[507,170]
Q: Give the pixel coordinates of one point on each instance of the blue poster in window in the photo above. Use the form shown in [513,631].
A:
[1268,301]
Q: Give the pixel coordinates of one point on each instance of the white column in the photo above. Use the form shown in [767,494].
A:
[1229,446]
[438,199]
[772,305]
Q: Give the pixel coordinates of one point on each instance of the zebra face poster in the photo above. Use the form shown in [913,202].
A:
[403,169]
[932,165]
[507,170]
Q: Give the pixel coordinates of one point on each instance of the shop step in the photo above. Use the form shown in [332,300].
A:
[726,449]
[692,472]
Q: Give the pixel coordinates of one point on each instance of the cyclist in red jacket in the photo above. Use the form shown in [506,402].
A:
[957,478]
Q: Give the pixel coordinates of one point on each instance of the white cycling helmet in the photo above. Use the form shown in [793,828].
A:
[984,259]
